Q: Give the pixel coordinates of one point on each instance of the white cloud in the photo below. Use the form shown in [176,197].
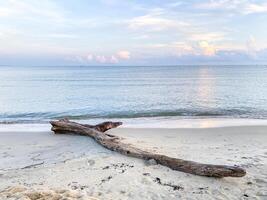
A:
[174,48]
[90,57]
[209,36]
[202,48]
[114,59]
[197,48]
[142,37]
[78,58]
[31,10]
[251,42]
[251,46]
[182,48]
[152,22]
[8,33]
[213,4]
[4,12]
[206,48]
[61,36]
[149,21]
[101,59]
[175,4]
[255,8]
[175,26]
[237,6]
[106,59]
[124,54]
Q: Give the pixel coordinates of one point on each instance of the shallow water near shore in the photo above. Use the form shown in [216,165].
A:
[37,94]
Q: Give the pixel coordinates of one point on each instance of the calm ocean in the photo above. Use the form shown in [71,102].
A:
[37,94]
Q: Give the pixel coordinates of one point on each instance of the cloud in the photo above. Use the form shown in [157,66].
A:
[158,28]
[202,48]
[251,47]
[154,22]
[142,37]
[238,6]
[150,21]
[78,59]
[196,52]
[4,12]
[217,4]
[114,59]
[182,48]
[210,36]
[90,57]
[206,48]
[251,42]
[175,4]
[31,10]
[176,25]
[220,57]
[61,35]
[124,55]
[103,59]
[254,8]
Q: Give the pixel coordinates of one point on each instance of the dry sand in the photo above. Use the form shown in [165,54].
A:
[65,165]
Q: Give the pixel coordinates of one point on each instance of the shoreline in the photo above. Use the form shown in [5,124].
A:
[41,160]
[154,122]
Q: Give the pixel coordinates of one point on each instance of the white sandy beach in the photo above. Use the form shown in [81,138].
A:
[78,168]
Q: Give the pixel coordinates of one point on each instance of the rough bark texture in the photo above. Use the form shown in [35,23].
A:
[115,143]
[103,127]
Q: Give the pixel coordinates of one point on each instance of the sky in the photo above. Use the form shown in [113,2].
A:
[133,32]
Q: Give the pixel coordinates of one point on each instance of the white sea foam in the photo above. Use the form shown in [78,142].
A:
[191,123]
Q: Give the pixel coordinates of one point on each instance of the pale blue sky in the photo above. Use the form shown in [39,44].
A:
[124,32]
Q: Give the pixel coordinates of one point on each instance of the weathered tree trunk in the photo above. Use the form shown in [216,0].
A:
[103,127]
[115,143]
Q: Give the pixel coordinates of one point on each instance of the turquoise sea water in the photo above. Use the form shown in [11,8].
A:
[37,94]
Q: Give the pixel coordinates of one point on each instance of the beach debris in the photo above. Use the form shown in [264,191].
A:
[106,179]
[115,143]
[76,186]
[146,174]
[120,167]
[160,182]
[174,187]
[245,195]
[33,165]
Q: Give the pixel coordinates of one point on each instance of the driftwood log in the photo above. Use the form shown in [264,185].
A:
[115,143]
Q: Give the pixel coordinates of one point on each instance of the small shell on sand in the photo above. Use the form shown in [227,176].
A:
[22,193]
